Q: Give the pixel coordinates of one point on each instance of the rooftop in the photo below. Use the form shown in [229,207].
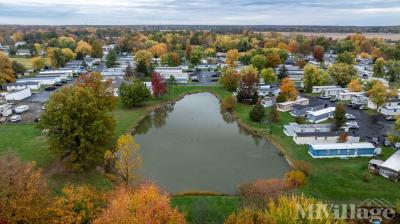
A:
[365,145]
[393,162]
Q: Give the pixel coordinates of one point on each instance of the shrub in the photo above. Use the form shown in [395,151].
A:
[274,116]
[228,103]
[281,98]
[302,166]
[296,177]
[257,113]
[367,176]
[300,120]
[134,94]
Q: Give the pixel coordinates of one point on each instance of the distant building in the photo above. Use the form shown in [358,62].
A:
[391,108]
[389,169]
[176,72]
[19,86]
[319,89]
[341,150]
[333,92]
[302,110]
[347,96]
[317,137]
[359,100]
[18,94]
[287,106]
[22,52]
[46,80]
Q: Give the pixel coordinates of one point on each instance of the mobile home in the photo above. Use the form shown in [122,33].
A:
[341,150]
[320,115]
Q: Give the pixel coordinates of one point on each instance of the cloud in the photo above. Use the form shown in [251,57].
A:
[241,12]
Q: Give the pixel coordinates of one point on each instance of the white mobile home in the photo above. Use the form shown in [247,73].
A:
[349,95]
[287,106]
[389,169]
[359,100]
[63,74]
[319,89]
[176,72]
[331,137]
[48,80]
[19,94]
[391,108]
[18,86]
[320,115]
[333,92]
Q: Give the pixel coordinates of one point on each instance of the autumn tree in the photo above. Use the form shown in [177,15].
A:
[56,57]
[319,53]
[355,86]
[346,58]
[293,46]
[144,205]
[288,89]
[77,205]
[196,55]
[379,67]
[97,49]
[296,178]
[268,76]
[228,103]
[379,94]
[170,59]
[273,60]
[339,116]
[229,78]
[247,90]
[342,73]
[247,216]
[134,94]
[6,71]
[126,159]
[38,63]
[274,114]
[158,85]
[232,56]
[314,76]
[158,50]
[258,62]
[68,54]
[78,120]
[82,49]
[24,194]
[143,61]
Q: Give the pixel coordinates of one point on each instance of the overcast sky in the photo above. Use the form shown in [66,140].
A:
[230,12]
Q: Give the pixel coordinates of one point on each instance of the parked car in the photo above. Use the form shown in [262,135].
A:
[363,107]
[15,118]
[374,141]
[386,142]
[58,84]
[333,99]
[390,118]
[350,117]
[325,97]
[21,109]
[50,88]
[6,112]
[397,145]
[352,125]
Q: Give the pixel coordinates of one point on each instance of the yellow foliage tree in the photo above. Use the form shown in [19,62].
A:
[296,177]
[38,63]
[6,71]
[69,54]
[78,205]
[24,194]
[232,56]
[159,49]
[288,89]
[83,48]
[355,86]
[379,93]
[146,205]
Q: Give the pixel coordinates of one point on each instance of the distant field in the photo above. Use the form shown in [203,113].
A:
[335,36]
[27,62]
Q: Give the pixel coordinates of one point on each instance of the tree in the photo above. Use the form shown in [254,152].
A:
[97,49]
[82,49]
[339,116]
[56,57]
[158,50]
[78,205]
[274,115]
[342,73]
[346,58]
[134,94]
[296,178]
[288,89]
[232,56]
[379,94]
[293,46]
[6,71]
[18,68]
[126,159]
[319,53]
[111,59]
[143,61]
[78,120]
[195,55]
[379,67]
[393,70]
[259,62]
[273,60]
[268,75]
[355,86]
[158,85]
[228,103]
[129,73]
[229,78]
[282,72]
[68,54]
[247,216]
[257,114]
[314,76]
[144,205]
[38,63]
[24,194]
[247,90]
[170,59]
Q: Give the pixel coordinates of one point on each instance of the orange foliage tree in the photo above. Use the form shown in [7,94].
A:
[159,49]
[355,86]
[288,89]
[232,56]
[145,205]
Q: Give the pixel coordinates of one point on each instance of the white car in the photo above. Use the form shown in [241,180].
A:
[350,117]
[352,125]
[15,118]
[21,109]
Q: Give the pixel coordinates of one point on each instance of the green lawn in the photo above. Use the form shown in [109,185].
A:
[27,62]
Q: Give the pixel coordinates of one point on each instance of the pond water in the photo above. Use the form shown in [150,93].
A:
[191,146]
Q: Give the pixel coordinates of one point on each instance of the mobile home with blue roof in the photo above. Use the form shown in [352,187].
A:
[341,150]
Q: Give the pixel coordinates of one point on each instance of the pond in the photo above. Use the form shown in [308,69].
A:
[190,146]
